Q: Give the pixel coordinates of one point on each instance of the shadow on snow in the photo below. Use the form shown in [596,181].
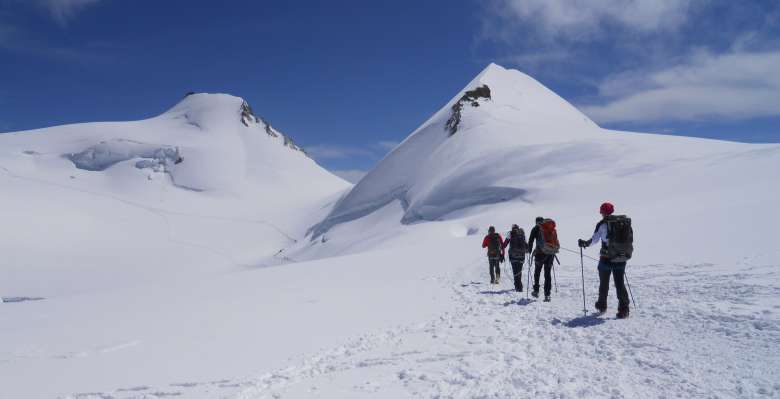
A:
[520,302]
[582,321]
[500,292]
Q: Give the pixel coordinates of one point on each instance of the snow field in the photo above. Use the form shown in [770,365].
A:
[690,337]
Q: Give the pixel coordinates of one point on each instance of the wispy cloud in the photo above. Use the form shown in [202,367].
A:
[553,38]
[62,11]
[387,145]
[577,19]
[737,85]
[647,60]
[18,37]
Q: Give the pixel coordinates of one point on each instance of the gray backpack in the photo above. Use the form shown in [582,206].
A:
[517,245]
[620,236]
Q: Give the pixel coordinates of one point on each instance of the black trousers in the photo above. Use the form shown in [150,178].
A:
[618,272]
[495,269]
[546,261]
[517,271]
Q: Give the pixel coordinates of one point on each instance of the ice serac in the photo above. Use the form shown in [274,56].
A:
[453,160]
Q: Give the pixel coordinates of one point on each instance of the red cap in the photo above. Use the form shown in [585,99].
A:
[607,209]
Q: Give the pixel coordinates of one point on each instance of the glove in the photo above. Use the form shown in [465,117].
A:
[583,243]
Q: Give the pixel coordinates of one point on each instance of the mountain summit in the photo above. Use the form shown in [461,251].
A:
[454,160]
[206,142]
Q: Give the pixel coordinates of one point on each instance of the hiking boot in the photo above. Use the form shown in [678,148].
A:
[623,314]
[547,298]
[601,308]
[535,294]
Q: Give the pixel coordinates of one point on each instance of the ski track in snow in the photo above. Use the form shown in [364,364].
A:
[701,331]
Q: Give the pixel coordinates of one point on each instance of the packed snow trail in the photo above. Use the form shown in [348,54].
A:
[703,330]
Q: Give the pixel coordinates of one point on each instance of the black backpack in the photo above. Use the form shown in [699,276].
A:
[620,237]
[517,245]
[494,246]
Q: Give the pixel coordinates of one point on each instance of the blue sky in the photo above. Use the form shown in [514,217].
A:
[348,79]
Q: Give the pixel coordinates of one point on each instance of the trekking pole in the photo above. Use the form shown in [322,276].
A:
[555,279]
[582,268]
[629,291]
[528,286]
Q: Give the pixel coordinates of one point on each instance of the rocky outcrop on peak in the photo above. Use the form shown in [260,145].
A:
[471,97]
[249,119]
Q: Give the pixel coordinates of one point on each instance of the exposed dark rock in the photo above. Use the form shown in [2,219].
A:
[471,97]
[247,116]
[268,130]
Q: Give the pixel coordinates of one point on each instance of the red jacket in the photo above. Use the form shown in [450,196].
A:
[486,241]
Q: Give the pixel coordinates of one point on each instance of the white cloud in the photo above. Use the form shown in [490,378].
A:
[350,175]
[581,18]
[733,86]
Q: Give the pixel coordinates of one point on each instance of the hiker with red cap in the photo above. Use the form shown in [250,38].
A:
[616,236]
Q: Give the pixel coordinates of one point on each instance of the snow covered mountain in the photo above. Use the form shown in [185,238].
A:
[134,259]
[207,176]
[206,142]
[459,157]
[506,149]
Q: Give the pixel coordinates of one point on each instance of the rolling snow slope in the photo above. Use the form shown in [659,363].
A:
[205,184]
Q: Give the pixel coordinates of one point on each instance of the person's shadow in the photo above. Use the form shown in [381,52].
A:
[499,292]
[519,302]
[591,320]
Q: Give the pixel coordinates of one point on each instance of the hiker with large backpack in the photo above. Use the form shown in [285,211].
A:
[517,248]
[495,252]
[547,245]
[617,246]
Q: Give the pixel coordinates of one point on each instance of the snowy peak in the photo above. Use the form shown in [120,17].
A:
[206,142]
[512,97]
[216,111]
[455,159]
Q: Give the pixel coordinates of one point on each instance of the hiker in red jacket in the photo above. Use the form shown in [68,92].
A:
[495,252]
